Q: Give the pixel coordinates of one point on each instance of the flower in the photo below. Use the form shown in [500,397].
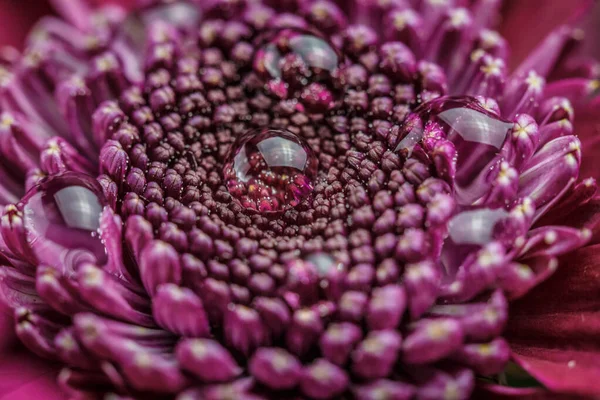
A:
[249,200]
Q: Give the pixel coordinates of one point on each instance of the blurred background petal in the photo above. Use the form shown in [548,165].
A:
[17,17]
[526,22]
[23,375]
[554,330]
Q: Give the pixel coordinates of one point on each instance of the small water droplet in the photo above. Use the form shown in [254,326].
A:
[299,64]
[477,134]
[323,262]
[180,14]
[469,231]
[270,170]
[62,218]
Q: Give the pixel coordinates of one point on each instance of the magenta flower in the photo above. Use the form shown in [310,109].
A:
[246,199]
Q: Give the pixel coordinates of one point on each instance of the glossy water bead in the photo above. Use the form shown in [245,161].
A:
[468,232]
[478,135]
[299,64]
[62,219]
[270,170]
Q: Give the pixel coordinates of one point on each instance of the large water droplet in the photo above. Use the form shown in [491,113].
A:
[62,219]
[477,134]
[469,231]
[270,170]
[299,64]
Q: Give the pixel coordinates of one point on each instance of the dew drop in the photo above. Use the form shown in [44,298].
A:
[323,262]
[477,134]
[299,64]
[469,231]
[180,14]
[270,170]
[62,220]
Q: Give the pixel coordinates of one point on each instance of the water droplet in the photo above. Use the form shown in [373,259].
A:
[323,262]
[180,14]
[299,64]
[477,134]
[469,231]
[62,219]
[270,170]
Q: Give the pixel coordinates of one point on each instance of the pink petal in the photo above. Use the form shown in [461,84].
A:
[554,330]
[25,376]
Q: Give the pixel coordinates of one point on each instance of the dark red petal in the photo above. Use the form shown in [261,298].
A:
[498,392]
[23,375]
[17,18]
[591,26]
[587,128]
[554,330]
[526,24]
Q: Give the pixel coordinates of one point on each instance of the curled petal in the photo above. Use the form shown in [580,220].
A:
[138,233]
[77,105]
[485,358]
[244,329]
[70,351]
[323,380]
[274,313]
[180,311]
[207,360]
[438,383]
[159,263]
[106,293]
[114,161]
[376,355]
[432,340]
[386,307]
[553,167]
[421,283]
[36,332]
[305,329]
[479,321]
[105,120]
[60,156]
[338,341]
[393,389]
[275,368]
[14,234]
[153,372]
[20,143]
[57,291]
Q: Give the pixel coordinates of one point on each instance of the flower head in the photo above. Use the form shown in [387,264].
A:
[246,199]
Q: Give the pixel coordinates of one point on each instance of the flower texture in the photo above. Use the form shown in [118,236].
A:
[237,199]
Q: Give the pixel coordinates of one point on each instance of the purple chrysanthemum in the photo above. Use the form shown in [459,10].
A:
[298,199]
